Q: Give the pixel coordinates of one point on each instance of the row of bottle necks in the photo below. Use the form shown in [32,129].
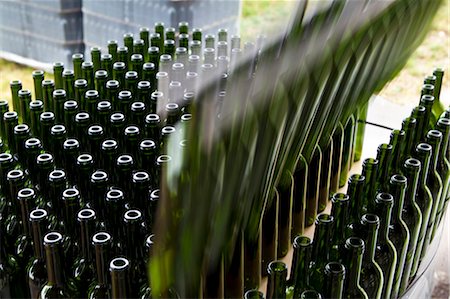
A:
[63,106]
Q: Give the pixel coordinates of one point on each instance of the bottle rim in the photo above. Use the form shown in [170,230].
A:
[38,214]
[52,238]
[119,264]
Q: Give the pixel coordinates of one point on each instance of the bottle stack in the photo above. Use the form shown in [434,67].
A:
[80,171]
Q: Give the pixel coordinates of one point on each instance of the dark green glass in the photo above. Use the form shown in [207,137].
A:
[119,70]
[82,122]
[299,276]
[443,168]
[148,74]
[112,49]
[338,143]
[59,98]
[312,188]
[384,157]
[385,253]
[197,34]
[152,127]
[122,55]
[137,114]
[419,113]
[252,260]
[36,271]
[48,86]
[7,163]
[123,173]
[70,110]
[44,165]
[370,172]
[58,135]
[103,113]
[38,77]
[56,184]
[16,181]
[355,190]
[96,53]
[101,77]
[434,183]
[56,284]
[424,199]
[159,28]
[71,204]
[299,197]
[285,190]
[10,120]
[124,100]
[321,250]
[340,212]
[153,56]
[438,107]
[140,191]
[269,232]
[138,48]
[33,148]
[117,125]
[128,40]
[165,63]
[91,99]
[83,267]
[96,134]
[108,156]
[155,40]
[85,167]
[210,41]
[409,125]
[310,294]
[131,81]
[115,204]
[325,176]
[371,279]
[137,61]
[4,107]
[58,69]
[21,134]
[77,60]
[397,141]
[15,86]
[112,91]
[69,83]
[87,73]
[102,242]
[81,87]
[120,281]
[353,255]
[147,155]
[427,101]
[398,232]
[71,150]
[144,34]
[169,47]
[36,109]
[347,150]
[334,284]
[107,64]
[360,130]
[213,281]
[253,294]
[143,92]
[276,284]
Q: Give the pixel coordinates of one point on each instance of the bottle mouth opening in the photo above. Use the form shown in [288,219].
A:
[131,130]
[84,158]
[141,176]
[86,214]
[324,218]
[168,130]
[424,147]
[70,193]
[26,192]
[5,157]
[82,116]
[340,197]
[335,268]
[302,241]
[10,114]
[101,237]
[385,146]
[143,84]
[15,174]
[354,242]
[399,179]
[357,178]
[277,266]
[384,197]
[137,105]
[38,214]
[100,175]
[163,159]
[117,117]
[58,129]
[119,264]
[434,134]
[44,158]
[445,122]
[154,195]
[149,240]
[32,142]
[52,238]
[22,128]
[412,162]
[109,143]
[71,142]
[115,194]
[148,143]
[370,162]
[125,159]
[133,214]
[171,106]
[152,117]
[370,219]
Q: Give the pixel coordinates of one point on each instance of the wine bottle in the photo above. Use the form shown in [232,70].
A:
[276,284]
[370,172]
[253,294]
[38,77]
[397,141]
[99,289]
[384,157]
[36,271]
[334,283]
[77,60]
[299,276]
[340,212]
[269,232]
[353,254]
[355,188]
[409,125]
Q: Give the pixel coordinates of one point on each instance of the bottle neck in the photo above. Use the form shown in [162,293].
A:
[355,193]
[54,266]
[101,262]
[85,233]
[384,158]
[339,211]
[119,284]
[321,244]
[370,187]
[411,188]
[38,246]
[370,242]
[435,155]
[276,285]
[354,269]
[396,161]
[301,261]
[25,211]
[423,174]
[444,146]
[398,192]
[384,213]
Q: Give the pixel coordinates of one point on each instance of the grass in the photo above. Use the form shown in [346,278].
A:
[270,16]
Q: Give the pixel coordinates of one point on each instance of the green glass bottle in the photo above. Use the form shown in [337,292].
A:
[21,134]
[443,168]
[360,130]
[58,69]
[325,176]
[71,205]
[269,232]
[355,189]
[69,83]
[83,267]
[10,120]
[159,28]
[124,100]
[370,172]
[119,70]
[101,77]
[338,143]
[340,212]
[87,73]
[77,60]
[56,184]
[124,170]
[424,199]
[58,135]
[427,101]
[253,294]
[91,99]
[137,61]
[81,86]
[48,86]
[33,147]
[112,91]
[334,284]
[137,114]
[85,167]
[102,242]
[143,92]
[276,284]
[353,255]
[140,192]
[117,124]
[434,183]
[15,86]
[285,191]
[4,107]
[252,260]
[128,40]
[112,49]
[70,111]
[38,77]
[321,250]
[103,113]
[56,284]
[312,188]
[115,203]
[120,281]
[419,113]
[107,64]
[131,81]
[144,34]
[153,56]
[96,53]
[299,276]
[409,127]
[195,47]
[371,279]
[398,232]
[385,253]
[71,150]
[36,109]
[109,151]
[44,165]
[59,98]
[96,134]
[347,150]
[148,74]
[7,163]
[36,271]
[384,157]
[397,141]
[438,107]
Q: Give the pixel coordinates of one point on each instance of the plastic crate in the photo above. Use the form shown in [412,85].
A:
[106,20]
[43,30]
